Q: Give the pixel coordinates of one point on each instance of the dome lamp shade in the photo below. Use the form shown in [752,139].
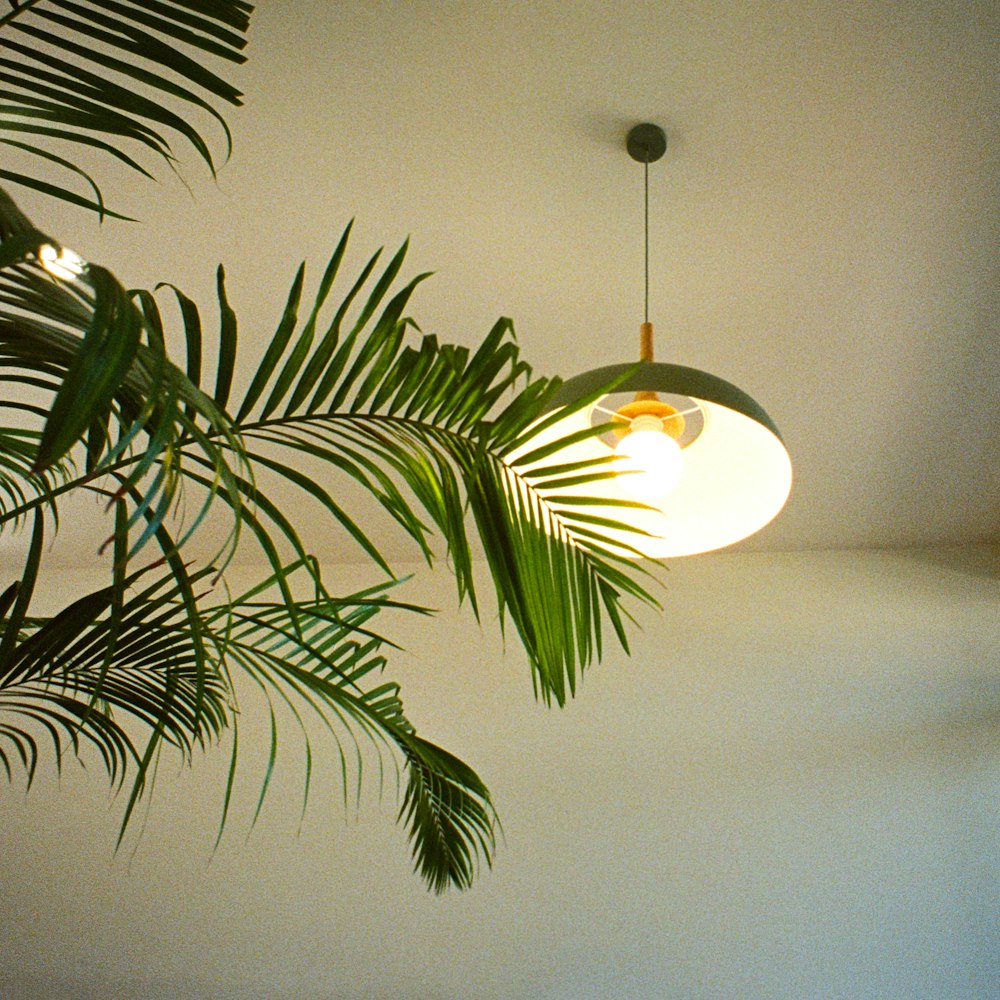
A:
[698,461]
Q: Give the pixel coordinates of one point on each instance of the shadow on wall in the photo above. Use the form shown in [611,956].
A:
[981,561]
[965,732]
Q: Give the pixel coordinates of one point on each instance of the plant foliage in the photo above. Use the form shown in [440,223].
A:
[438,436]
[113,80]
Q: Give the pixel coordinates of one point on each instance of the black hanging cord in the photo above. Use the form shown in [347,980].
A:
[646,143]
[645,167]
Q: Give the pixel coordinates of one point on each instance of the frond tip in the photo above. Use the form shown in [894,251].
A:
[450,815]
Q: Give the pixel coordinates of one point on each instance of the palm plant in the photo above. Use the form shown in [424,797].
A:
[439,436]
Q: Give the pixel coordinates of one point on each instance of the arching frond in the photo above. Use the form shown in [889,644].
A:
[328,669]
[436,434]
[450,815]
[132,650]
[433,433]
[119,78]
[106,653]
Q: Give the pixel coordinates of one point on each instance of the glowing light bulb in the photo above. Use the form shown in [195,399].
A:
[649,461]
[64,263]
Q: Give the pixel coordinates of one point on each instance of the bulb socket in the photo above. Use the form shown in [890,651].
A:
[626,415]
[646,422]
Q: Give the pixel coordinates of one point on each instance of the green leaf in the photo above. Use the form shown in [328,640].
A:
[107,73]
[275,349]
[227,342]
[108,350]
[450,814]
[21,597]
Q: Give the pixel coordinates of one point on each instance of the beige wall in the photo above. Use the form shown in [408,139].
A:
[791,790]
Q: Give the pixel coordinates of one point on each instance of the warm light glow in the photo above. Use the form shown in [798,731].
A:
[64,263]
[737,476]
[650,464]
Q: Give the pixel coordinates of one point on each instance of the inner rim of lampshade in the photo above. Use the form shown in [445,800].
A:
[694,422]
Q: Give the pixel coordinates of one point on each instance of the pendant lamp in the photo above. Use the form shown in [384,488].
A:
[703,458]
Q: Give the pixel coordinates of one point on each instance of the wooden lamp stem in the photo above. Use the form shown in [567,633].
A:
[646,354]
[646,342]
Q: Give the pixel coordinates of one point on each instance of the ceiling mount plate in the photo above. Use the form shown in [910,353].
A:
[646,143]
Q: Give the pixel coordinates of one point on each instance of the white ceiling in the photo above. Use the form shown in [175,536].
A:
[824,223]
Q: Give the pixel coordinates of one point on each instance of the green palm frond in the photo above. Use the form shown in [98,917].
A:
[69,675]
[433,432]
[21,486]
[327,667]
[450,815]
[110,653]
[92,370]
[121,78]
[439,435]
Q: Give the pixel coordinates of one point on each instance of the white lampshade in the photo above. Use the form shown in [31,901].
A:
[736,472]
